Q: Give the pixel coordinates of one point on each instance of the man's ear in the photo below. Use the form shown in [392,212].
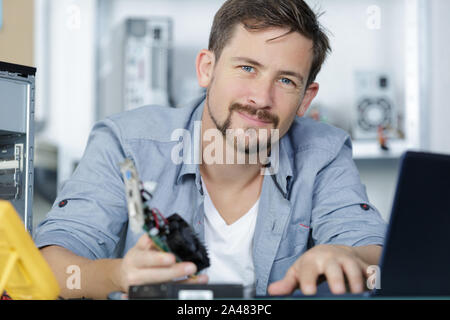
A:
[310,94]
[205,66]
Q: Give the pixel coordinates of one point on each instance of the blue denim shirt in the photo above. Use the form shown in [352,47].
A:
[315,196]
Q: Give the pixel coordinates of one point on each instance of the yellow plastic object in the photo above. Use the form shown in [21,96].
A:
[24,273]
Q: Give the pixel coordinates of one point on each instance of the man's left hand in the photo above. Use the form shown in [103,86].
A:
[332,261]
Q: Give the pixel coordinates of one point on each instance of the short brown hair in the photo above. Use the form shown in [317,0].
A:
[262,14]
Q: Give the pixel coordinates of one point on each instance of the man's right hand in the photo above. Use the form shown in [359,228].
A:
[144,264]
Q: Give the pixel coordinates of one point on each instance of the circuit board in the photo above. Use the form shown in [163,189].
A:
[171,234]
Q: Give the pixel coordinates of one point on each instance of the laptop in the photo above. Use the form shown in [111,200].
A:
[416,255]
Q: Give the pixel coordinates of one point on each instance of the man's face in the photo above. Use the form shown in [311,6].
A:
[259,81]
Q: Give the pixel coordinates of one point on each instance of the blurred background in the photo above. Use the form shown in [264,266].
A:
[386,82]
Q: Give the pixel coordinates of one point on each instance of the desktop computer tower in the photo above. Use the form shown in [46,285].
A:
[136,66]
[17,90]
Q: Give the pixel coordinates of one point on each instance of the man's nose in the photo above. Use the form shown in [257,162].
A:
[261,94]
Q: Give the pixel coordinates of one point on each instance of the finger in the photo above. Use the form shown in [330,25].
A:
[365,267]
[200,279]
[284,286]
[354,275]
[308,276]
[144,242]
[149,259]
[335,278]
[158,275]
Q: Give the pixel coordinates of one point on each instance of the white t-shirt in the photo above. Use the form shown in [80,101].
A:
[229,246]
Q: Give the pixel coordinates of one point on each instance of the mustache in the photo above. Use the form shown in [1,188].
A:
[261,114]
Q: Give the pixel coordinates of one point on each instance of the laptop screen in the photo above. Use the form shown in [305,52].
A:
[416,257]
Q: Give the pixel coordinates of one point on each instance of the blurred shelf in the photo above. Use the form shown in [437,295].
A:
[371,149]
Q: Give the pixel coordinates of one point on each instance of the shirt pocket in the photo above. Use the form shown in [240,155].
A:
[294,242]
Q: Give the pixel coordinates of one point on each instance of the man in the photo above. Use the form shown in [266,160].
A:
[276,226]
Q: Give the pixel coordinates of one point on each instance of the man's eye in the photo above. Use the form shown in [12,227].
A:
[248,68]
[287,81]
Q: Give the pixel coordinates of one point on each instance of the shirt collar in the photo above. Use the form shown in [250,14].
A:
[191,168]
[282,173]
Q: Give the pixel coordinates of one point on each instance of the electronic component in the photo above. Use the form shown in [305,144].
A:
[136,65]
[17,85]
[375,105]
[11,168]
[186,291]
[170,235]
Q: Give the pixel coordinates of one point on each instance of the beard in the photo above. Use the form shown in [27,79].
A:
[250,146]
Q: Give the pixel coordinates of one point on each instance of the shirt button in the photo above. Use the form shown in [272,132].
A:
[100,241]
[62,203]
